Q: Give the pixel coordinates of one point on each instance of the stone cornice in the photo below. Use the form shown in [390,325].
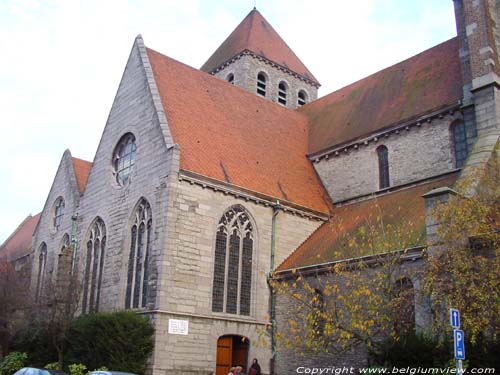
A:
[249,195]
[384,133]
[247,52]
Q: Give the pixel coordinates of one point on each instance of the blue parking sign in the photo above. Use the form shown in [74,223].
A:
[459,340]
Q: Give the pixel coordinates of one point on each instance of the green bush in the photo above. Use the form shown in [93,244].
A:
[121,341]
[77,369]
[13,362]
[52,366]
[35,340]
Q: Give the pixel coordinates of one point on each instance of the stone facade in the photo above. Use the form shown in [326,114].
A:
[246,68]
[414,154]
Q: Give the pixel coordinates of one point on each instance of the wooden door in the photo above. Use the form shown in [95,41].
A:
[224,355]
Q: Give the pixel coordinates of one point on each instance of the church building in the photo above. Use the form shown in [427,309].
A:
[206,181]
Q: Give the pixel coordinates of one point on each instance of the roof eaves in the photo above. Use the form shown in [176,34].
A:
[250,195]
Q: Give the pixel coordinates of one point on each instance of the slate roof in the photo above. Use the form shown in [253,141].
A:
[402,213]
[421,84]
[255,34]
[82,170]
[231,135]
[19,242]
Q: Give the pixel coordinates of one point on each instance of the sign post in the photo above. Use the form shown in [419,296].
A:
[458,338]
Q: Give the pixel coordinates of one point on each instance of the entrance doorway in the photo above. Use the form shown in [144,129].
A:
[232,350]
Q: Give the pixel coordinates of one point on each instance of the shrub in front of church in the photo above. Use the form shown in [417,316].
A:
[13,362]
[121,341]
[35,340]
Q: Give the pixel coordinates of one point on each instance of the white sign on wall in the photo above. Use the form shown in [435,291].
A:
[178,327]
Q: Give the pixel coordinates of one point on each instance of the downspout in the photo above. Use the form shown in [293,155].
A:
[276,210]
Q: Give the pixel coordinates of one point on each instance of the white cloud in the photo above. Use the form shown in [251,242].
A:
[62,62]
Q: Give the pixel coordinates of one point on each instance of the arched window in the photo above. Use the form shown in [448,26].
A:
[232,281]
[94,267]
[282,93]
[230,78]
[405,305]
[141,240]
[302,98]
[40,279]
[261,84]
[459,143]
[124,158]
[58,213]
[383,167]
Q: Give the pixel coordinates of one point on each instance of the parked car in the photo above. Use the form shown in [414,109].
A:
[38,371]
[99,372]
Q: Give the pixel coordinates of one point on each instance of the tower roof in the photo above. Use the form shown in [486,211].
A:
[256,35]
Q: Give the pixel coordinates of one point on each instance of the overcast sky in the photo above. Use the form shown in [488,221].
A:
[61,62]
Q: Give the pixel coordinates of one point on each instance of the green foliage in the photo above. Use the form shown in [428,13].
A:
[122,341]
[52,366]
[77,369]
[414,350]
[35,340]
[13,362]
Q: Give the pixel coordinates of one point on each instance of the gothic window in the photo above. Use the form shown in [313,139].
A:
[141,240]
[124,158]
[58,213]
[94,267]
[302,98]
[261,84]
[282,93]
[383,167]
[232,281]
[230,78]
[459,143]
[42,262]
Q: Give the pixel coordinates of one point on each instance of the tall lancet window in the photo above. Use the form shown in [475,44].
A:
[232,283]
[40,279]
[282,93]
[383,167]
[261,84]
[141,240]
[94,267]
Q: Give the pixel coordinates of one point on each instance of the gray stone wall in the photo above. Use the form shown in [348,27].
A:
[187,276]
[247,68]
[414,154]
[65,187]
[289,359]
[133,111]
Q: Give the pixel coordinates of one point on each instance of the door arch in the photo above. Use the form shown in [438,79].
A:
[232,350]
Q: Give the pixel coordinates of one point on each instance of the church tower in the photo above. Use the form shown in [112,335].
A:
[255,58]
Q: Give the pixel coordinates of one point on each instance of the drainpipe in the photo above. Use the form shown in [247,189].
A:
[276,210]
[74,241]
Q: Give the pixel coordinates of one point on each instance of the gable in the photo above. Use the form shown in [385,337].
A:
[19,242]
[417,86]
[235,137]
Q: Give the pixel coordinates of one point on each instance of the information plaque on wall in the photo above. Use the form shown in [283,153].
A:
[178,327]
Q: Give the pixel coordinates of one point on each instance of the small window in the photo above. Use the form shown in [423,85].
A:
[383,167]
[230,78]
[302,98]
[261,84]
[124,159]
[58,213]
[282,93]
[460,143]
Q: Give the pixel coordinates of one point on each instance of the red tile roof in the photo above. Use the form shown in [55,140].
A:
[424,83]
[234,136]
[403,216]
[255,34]
[82,170]
[19,242]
